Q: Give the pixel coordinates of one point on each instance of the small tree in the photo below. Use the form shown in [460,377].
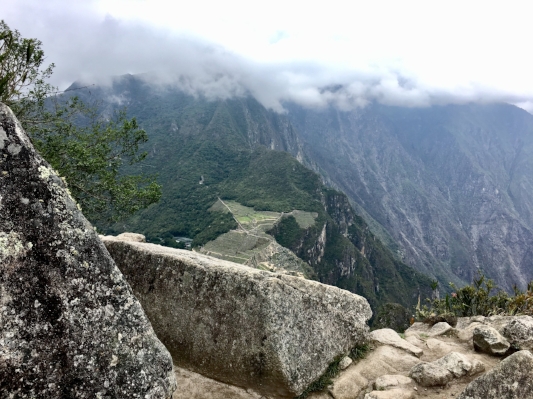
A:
[88,151]
[90,154]
[22,81]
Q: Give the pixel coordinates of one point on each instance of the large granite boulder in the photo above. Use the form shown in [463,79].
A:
[443,370]
[519,332]
[489,340]
[70,326]
[269,332]
[511,379]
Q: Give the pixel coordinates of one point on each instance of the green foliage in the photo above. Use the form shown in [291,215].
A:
[392,315]
[359,352]
[477,299]
[286,231]
[90,154]
[86,150]
[23,84]
[326,379]
[167,240]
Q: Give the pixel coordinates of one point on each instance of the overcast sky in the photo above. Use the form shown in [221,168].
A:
[410,53]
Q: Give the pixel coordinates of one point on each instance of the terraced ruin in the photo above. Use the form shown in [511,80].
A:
[250,244]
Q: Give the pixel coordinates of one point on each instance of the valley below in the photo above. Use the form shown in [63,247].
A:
[446,190]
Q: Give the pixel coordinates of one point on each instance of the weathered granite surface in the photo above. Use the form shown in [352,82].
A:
[511,379]
[270,332]
[487,339]
[519,332]
[70,326]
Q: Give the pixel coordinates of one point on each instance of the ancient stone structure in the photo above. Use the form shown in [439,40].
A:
[70,326]
[269,332]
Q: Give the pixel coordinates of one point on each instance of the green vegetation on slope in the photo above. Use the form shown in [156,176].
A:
[483,298]
[203,151]
[343,252]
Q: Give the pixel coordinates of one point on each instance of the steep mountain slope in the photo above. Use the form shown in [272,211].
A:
[449,188]
[230,149]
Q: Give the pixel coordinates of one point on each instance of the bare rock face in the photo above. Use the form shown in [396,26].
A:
[430,375]
[387,336]
[272,333]
[519,332]
[70,326]
[443,370]
[511,379]
[489,340]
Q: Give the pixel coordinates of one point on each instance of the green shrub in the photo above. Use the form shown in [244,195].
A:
[481,298]
[326,379]
[392,315]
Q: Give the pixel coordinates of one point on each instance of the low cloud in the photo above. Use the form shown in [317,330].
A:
[92,48]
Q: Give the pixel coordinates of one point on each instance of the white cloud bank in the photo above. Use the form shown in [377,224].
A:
[343,53]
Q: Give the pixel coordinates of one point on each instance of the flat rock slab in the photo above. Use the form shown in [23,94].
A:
[383,360]
[389,381]
[440,348]
[398,393]
[70,326]
[441,328]
[269,332]
[195,386]
[511,379]
[443,370]
[387,336]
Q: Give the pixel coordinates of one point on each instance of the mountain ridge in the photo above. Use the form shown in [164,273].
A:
[432,178]
[237,150]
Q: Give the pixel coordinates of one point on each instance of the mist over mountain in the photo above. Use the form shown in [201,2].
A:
[447,188]
[238,151]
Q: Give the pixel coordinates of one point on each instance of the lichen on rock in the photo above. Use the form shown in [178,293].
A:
[69,323]
[273,333]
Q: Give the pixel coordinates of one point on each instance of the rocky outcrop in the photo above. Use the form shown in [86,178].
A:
[384,372]
[70,326]
[489,340]
[272,333]
[443,370]
[519,332]
[511,379]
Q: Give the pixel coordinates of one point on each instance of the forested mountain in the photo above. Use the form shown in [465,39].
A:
[448,189]
[238,151]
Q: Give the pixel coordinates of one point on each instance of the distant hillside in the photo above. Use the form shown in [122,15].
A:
[449,188]
[237,150]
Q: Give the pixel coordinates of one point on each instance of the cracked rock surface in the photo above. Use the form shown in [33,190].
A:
[70,326]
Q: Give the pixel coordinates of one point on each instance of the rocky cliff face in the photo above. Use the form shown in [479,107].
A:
[344,252]
[450,186]
[70,326]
